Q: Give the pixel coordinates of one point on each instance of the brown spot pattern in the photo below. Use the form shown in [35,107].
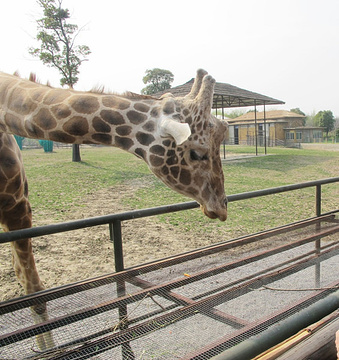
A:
[56,96]
[45,120]
[156,160]
[122,142]
[20,103]
[136,117]
[14,122]
[61,111]
[61,137]
[33,130]
[149,126]
[158,150]
[168,107]
[185,177]
[77,126]
[114,102]
[123,130]
[144,139]
[100,125]
[141,107]
[112,117]
[141,153]
[102,138]
[84,104]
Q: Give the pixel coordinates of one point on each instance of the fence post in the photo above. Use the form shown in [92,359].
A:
[318,200]
[318,228]
[116,238]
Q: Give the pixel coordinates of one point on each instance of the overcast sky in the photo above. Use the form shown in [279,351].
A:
[285,49]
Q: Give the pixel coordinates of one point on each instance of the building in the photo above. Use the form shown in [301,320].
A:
[305,134]
[278,127]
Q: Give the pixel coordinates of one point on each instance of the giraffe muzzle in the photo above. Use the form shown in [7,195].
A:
[219,213]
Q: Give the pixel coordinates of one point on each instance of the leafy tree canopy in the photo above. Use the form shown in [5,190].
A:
[325,119]
[57,39]
[298,111]
[158,80]
[235,113]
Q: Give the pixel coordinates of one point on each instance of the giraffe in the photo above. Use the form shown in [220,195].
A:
[15,214]
[177,137]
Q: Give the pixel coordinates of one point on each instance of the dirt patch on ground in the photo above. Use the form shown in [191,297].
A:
[76,255]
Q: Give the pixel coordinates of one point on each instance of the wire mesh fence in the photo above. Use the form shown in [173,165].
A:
[191,306]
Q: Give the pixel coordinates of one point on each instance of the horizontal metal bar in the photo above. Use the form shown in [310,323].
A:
[94,221]
[135,214]
[281,189]
[183,300]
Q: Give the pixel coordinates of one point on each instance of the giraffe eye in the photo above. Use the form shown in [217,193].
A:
[196,156]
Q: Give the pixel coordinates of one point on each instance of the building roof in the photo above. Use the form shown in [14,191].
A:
[226,95]
[269,115]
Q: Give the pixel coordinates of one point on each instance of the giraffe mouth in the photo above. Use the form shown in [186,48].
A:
[220,214]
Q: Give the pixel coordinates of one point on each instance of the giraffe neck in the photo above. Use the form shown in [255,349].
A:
[40,112]
[176,136]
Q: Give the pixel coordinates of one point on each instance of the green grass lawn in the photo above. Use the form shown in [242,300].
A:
[56,183]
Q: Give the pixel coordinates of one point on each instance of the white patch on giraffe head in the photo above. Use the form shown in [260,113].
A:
[180,132]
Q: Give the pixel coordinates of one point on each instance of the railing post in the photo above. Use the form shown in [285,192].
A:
[116,238]
[318,228]
[318,200]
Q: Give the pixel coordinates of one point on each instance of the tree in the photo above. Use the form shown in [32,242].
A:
[310,119]
[159,80]
[336,129]
[235,113]
[58,48]
[326,120]
[299,112]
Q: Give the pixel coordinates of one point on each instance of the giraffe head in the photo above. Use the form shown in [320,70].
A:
[186,156]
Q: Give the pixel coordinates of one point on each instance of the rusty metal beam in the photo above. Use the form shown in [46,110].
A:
[183,301]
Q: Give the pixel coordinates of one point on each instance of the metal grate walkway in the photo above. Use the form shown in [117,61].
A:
[191,306]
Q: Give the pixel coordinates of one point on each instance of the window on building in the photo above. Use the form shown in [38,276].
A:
[298,135]
[316,134]
[289,135]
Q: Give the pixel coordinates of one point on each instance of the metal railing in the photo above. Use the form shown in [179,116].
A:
[115,224]
[114,220]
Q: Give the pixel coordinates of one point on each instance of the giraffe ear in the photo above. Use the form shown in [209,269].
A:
[179,131]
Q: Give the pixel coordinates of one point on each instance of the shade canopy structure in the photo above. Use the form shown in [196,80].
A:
[226,95]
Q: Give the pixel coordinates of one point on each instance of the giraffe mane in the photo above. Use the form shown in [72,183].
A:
[98,89]
[33,78]
[133,96]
